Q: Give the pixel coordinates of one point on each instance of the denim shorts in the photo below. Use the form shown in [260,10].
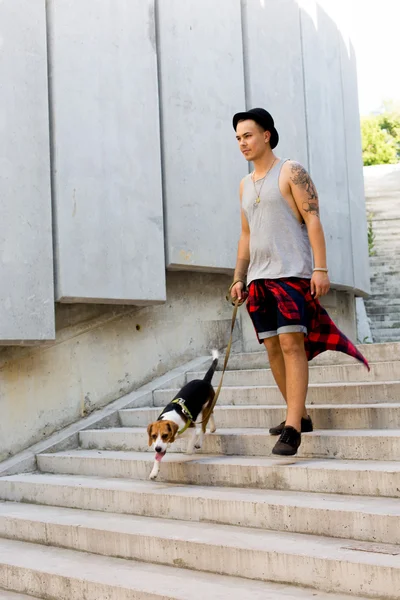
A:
[267,319]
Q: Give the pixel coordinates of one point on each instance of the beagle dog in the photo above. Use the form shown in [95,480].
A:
[181,414]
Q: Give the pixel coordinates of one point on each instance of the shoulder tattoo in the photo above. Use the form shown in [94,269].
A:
[301,178]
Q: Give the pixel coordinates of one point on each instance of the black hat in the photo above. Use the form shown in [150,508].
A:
[263,118]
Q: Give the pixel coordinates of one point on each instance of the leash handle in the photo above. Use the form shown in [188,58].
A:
[227,354]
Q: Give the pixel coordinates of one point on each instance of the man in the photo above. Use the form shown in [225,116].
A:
[281,239]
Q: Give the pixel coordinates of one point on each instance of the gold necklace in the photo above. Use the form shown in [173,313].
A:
[258,194]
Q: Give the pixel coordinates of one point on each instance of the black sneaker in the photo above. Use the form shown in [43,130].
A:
[306,427]
[288,443]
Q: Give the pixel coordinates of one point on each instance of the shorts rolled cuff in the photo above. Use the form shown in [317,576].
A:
[264,335]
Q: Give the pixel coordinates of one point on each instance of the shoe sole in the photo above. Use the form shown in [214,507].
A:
[287,453]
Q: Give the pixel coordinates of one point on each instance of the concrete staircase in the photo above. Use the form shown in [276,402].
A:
[382,188]
[230,522]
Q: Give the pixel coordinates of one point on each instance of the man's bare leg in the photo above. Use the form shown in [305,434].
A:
[277,364]
[296,368]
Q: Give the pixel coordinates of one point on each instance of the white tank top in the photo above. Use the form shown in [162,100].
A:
[279,244]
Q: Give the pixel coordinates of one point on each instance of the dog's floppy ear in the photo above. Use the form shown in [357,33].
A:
[173,430]
[149,430]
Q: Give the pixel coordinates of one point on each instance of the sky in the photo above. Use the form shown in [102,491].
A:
[374,29]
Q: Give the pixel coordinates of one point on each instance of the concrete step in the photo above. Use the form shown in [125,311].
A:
[384,260]
[378,300]
[387,319]
[384,266]
[384,284]
[382,371]
[386,329]
[148,498]
[339,516]
[372,352]
[386,245]
[384,310]
[384,240]
[357,444]
[381,294]
[386,212]
[385,233]
[386,229]
[323,393]
[219,549]
[62,574]
[376,329]
[392,325]
[383,336]
[351,416]
[388,226]
[380,478]
[381,328]
[384,280]
[384,256]
[5,595]
[383,315]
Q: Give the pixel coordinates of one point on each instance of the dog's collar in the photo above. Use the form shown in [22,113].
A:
[186,412]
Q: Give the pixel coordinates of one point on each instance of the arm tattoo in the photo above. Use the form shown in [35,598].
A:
[301,178]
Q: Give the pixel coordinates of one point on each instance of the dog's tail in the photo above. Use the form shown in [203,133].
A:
[210,373]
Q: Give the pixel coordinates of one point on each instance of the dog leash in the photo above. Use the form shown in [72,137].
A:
[227,354]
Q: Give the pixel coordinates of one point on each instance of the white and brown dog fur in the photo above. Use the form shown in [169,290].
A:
[195,397]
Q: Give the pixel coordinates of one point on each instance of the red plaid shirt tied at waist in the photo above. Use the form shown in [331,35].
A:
[322,332]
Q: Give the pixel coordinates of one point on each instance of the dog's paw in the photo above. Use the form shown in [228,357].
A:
[199,442]
[213,427]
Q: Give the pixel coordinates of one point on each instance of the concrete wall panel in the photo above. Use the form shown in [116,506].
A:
[26,262]
[202,86]
[274,70]
[358,213]
[326,136]
[107,172]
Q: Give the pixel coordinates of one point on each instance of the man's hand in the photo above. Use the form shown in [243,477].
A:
[238,292]
[320,284]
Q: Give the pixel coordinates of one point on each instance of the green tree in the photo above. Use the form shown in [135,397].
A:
[390,122]
[380,139]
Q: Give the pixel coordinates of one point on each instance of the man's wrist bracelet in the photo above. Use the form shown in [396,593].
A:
[321,269]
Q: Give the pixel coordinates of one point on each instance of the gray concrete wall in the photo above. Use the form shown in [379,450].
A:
[358,215]
[106,152]
[202,86]
[126,186]
[326,137]
[26,263]
[276,80]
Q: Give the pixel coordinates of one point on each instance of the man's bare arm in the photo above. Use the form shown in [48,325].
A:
[304,189]
[306,198]
[243,255]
